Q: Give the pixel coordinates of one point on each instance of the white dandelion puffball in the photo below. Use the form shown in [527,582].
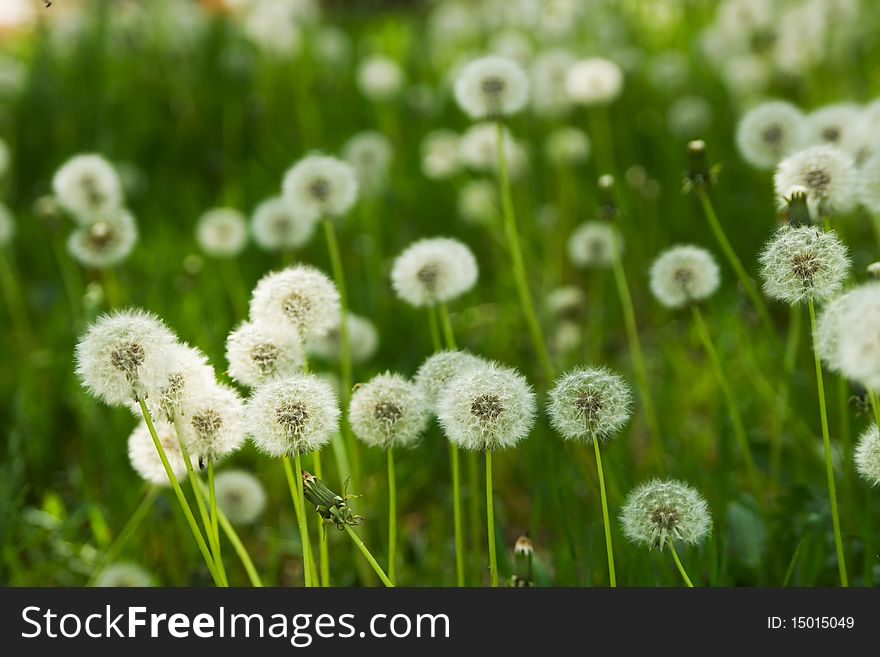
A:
[826,173]
[869,184]
[104,242]
[145,458]
[222,232]
[433,270]
[87,186]
[188,375]
[684,274]
[322,185]
[272,27]
[388,411]
[370,155]
[566,303]
[212,422]
[594,244]
[567,146]
[488,407]
[363,341]
[278,225]
[124,356]
[589,403]
[478,149]
[659,512]
[7,226]
[802,263]
[831,124]
[300,297]
[294,414]
[240,496]
[380,78]
[827,335]
[440,154]
[257,351]
[867,455]
[442,367]
[478,201]
[769,132]
[549,74]
[859,341]
[594,81]
[491,87]
[124,575]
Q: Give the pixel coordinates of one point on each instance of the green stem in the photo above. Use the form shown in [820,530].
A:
[608,548]
[519,269]
[323,549]
[392,518]
[115,298]
[448,333]
[600,129]
[368,556]
[490,521]
[215,530]
[474,510]
[791,347]
[826,441]
[294,483]
[128,530]
[435,331]
[15,300]
[687,580]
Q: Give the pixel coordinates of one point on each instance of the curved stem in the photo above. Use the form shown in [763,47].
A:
[826,442]
[368,556]
[323,549]
[687,580]
[608,548]
[127,531]
[490,521]
[392,518]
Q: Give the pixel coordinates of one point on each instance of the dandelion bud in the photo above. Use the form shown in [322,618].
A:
[658,512]
[363,341]
[803,263]
[438,370]
[594,244]
[211,422]
[858,339]
[488,407]
[594,81]
[380,78]
[440,154]
[321,185]
[222,232]
[589,403]
[523,555]
[388,411]
[295,414]
[145,457]
[124,356]
[370,155]
[331,507]
[300,297]
[567,146]
[867,455]
[769,132]
[433,270]
[698,173]
[798,210]
[88,186]
[104,242]
[491,87]
[607,201]
[7,226]
[828,175]
[683,275]
[278,225]
[124,575]
[240,496]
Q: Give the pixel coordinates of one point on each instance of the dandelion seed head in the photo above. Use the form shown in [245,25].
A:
[869,183]
[279,225]
[88,186]
[858,338]
[433,270]
[321,185]
[769,132]
[832,124]
[388,411]
[272,27]
[222,232]
[441,368]
[212,422]
[491,87]
[827,173]
[380,78]
[363,341]
[594,81]
[440,154]
[867,455]
[294,414]
[145,458]
[589,403]
[104,242]
[827,335]
[240,496]
[684,274]
[659,512]
[487,407]
[300,297]
[566,303]
[802,263]
[124,575]
[594,244]
[567,146]
[370,155]
[257,351]
[189,373]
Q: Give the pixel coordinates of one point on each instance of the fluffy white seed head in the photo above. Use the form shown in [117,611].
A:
[440,154]
[222,232]
[684,274]
[7,226]
[549,73]
[491,87]
[858,338]
[488,407]
[279,225]
[212,422]
[299,297]
[145,458]
[294,414]
[363,341]
[240,496]
[188,375]
[802,263]
[124,355]
[123,574]
[478,150]
[257,351]
[832,124]
[594,244]
[826,173]
[442,367]
[478,201]
[769,132]
[827,335]
[433,270]
[567,146]
[566,303]
[589,403]
[321,185]
[273,28]
[388,411]
[380,78]
[594,81]
[867,455]
[87,186]
[659,512]
[869,183]
[370,155]
[104,242]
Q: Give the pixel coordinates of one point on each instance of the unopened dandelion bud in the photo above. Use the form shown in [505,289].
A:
[698,175]
[523,555]
[333,508]
[798,210]
[608,208]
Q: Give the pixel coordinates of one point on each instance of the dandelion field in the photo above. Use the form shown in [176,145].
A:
[592,336]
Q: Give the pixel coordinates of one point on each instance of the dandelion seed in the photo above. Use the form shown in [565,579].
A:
[491,87]
[88,186]
[659,512]
[440,154]
[124,574]
[145,458]
[370,155]
[589,403]
[278,225]
[594,244]
[388,411]
[321,185]
[867,455]
[827,173]
[212,422]
[442,367]
[567,146]
[380,78]
[104,242]
[222,232]
[240,496]
[684,274]
[299,297]
[363,341]
[594,81]
[258,351]
[434,270]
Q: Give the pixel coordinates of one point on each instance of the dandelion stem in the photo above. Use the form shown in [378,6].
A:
[791,347]
[687,580]
[323,549]
[600,129]
[519,269]
[448,333]
[826,441]
[181,498]
[608,548]
[490,521]
[435,331]
[392,518]
[214,528]
[733,259]
[128,530]
[112,288]
[298,503]
[15,300]
[368,556]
